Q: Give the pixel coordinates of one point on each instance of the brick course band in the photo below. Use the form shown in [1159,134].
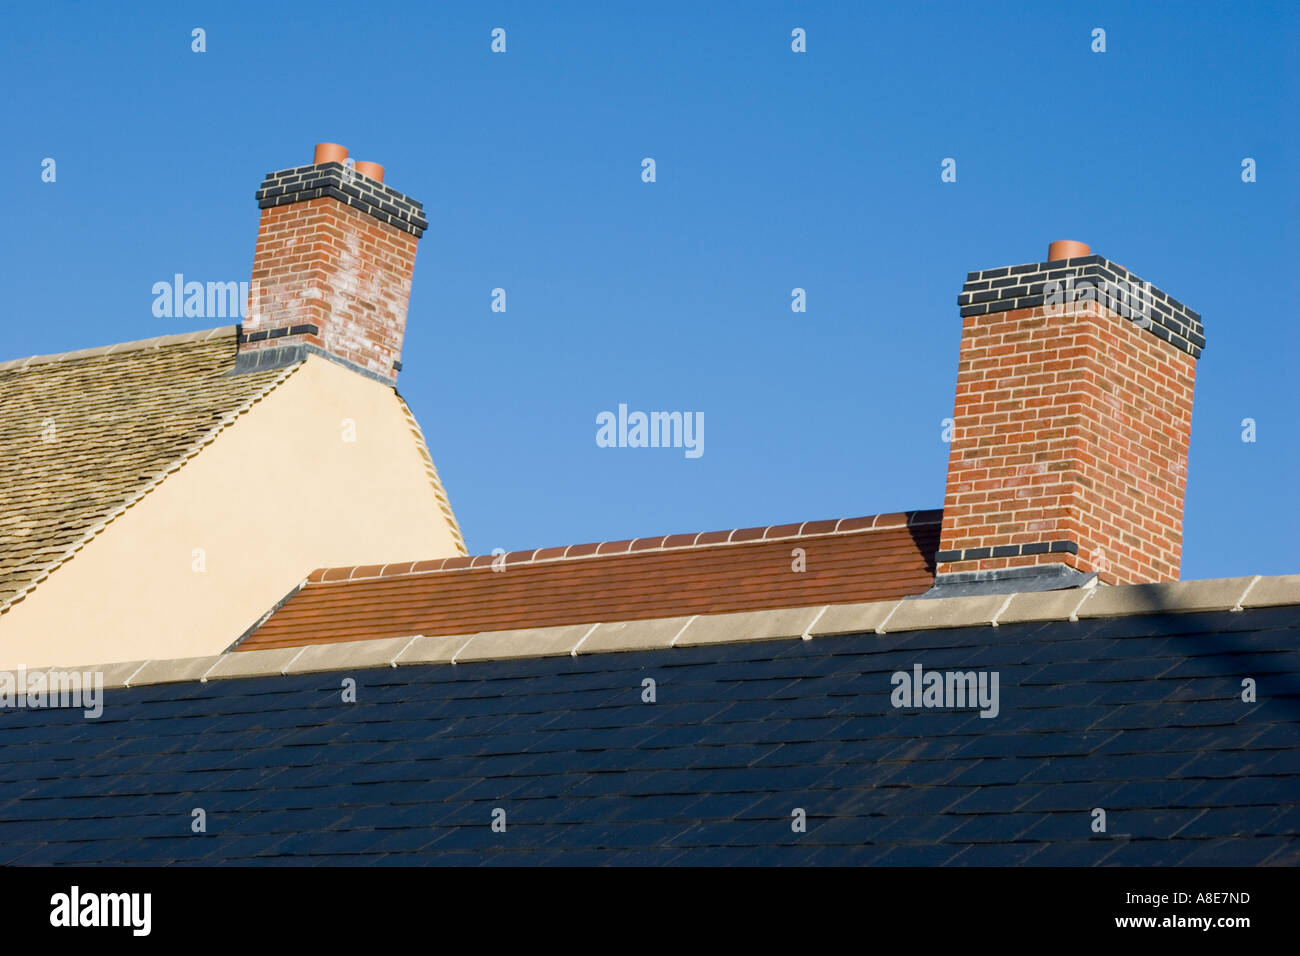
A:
[1024,287]
[277,333]
[347,186]
[1007,551]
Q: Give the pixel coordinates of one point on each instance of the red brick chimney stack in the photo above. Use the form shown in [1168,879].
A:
[332,267]
[1071,427]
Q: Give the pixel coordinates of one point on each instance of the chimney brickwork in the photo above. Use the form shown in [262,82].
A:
[1071,426]
[331,270]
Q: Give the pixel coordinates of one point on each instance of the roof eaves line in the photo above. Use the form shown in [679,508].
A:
[117,348]
[175,465]
[349,576]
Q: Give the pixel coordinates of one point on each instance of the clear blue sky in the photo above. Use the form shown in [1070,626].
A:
[775,170]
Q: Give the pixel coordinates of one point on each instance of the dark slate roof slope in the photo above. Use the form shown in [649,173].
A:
[1140,715]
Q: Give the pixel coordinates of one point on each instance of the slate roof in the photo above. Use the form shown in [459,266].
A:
[874,558]
[1136,709]
[85,435]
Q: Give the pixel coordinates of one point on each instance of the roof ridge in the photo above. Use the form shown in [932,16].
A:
[654,543]
[158,478]
[802,622]
[179,338]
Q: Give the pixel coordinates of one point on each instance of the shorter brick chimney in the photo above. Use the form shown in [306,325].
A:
[332,268]
[1068,461]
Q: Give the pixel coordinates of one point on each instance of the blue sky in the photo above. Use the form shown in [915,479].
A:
[775,170]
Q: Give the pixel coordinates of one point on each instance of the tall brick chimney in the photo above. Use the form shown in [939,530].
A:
[332,268]
[1071,427]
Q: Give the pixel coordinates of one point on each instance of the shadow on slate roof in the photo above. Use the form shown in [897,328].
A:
[1140,715]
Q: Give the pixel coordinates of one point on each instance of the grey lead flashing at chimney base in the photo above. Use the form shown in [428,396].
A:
[1025,287]
[1042,577]
[286,355]
[347,186]
[878,619]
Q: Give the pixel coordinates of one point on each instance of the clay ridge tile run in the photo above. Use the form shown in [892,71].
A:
[806,529]
[869,559]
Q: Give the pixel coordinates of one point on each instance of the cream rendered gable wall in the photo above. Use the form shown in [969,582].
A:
[276,495]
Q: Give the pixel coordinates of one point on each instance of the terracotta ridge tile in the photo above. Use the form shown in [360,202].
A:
[891,521]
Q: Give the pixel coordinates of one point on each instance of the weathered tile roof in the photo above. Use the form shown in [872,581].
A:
[853,559]
[1134,707]
[87,434]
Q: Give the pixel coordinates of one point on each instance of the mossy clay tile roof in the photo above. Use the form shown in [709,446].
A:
[85,435]
[861,559]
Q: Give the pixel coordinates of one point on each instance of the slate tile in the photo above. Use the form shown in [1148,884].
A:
[1071,796]
[1003,770]
[1234,821]
[1073,853]
[1160,824]
[990,854]
[918,855]
[745,733]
